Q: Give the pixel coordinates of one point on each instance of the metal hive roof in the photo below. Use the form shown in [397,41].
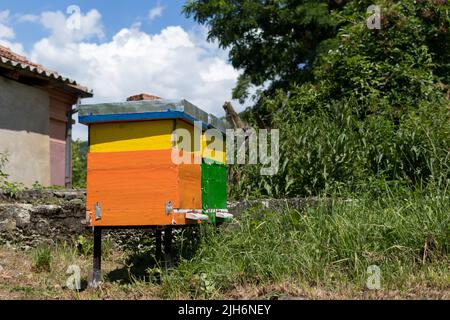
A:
[148,110]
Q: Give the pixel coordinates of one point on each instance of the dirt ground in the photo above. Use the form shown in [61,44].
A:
[19,279]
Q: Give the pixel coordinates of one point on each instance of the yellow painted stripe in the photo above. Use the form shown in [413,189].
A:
[147,135]
[131,136]
[215,150]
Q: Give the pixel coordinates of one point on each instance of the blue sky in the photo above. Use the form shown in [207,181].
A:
[116,14]
[122,48]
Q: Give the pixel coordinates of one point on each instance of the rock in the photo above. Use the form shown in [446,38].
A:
[67,195]
[7,225]
[22,214]
[77,202]
[47,209]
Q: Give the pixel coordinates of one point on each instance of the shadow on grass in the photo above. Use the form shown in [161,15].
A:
[143,265]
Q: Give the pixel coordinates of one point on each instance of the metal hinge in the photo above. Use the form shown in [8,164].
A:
[98,211]
[169,207]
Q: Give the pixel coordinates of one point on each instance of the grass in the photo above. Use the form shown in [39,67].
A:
[330,246]
[321,252]
[42,258]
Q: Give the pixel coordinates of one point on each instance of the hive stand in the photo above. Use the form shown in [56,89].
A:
[130,157]
[166,259]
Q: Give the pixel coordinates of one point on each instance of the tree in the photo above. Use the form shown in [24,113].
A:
[279,43]
[368,107]
[271,41]
[79,166]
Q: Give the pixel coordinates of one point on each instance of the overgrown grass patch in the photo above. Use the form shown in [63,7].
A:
[42,259]
[406,235]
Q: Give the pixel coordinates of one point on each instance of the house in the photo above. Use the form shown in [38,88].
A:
[36,107]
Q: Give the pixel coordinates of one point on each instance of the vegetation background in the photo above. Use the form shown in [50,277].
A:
[364,120]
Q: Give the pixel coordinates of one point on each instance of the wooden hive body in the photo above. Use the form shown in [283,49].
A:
[132,180]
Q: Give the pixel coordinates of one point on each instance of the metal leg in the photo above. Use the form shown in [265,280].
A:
[158,250]
[97,266]
[168,247]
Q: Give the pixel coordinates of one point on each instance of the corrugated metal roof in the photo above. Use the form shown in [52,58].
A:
[148,110]
[9,58]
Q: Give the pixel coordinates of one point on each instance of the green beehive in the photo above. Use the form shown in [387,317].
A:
[214,191]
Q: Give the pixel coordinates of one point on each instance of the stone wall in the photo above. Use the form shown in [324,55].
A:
[34,217]
[39,216]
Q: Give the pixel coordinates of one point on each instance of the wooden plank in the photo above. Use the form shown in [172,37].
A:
[214,186]
[148,135]
[214,150]
[132,188]
[131,136]
[189,179]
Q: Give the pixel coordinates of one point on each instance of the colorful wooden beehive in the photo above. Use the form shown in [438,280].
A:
[132,179]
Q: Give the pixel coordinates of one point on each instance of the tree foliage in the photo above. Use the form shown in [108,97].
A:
[280,43]
[366,107]
[270,40]
[79,163]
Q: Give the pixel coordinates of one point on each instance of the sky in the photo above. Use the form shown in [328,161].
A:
[121,48]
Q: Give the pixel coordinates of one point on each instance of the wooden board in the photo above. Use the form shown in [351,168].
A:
[132,188]
[131,136]
[214,186]
[148,135]
[213,149]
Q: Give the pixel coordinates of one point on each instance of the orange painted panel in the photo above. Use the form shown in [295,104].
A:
[132,188]
[190,184]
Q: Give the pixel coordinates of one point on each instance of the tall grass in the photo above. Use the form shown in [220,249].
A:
[334,147]
[42,259]
[405,234]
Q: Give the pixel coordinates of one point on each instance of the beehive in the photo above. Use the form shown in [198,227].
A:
[131,178]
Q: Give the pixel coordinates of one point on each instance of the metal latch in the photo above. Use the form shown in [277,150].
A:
[98,211]
[169,207]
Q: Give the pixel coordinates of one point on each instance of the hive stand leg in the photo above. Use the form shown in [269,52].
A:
[168,248]
[97,266]
[158,251]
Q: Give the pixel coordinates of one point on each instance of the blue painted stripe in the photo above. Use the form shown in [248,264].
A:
[139,116]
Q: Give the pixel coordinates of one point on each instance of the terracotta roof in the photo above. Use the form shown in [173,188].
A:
[8,54]
[16,61]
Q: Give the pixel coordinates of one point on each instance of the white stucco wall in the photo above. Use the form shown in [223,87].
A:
[24,127]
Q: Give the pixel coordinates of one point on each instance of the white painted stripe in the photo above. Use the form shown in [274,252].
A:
[197,216]
[187,211]
[224,215]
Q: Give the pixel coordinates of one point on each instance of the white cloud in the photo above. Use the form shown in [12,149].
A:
[156,11]
[7,34]
[174,63]
[28,18]
[5,31]
[58,24]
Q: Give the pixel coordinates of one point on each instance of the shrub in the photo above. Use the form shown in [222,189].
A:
[42,258]
[330,245]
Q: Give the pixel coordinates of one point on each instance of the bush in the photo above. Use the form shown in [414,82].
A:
[329,246]
[42,258]
[331,149]
[9,188]
[3,162]
[79,163]
[374,113]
